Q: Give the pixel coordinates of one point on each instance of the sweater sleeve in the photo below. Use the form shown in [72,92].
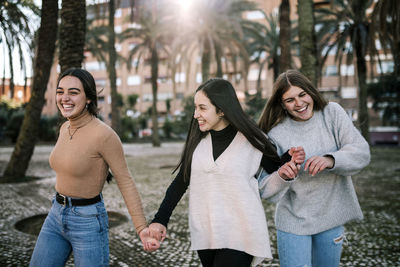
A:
[271,186]
[112,152]
[173,195]
[353,152]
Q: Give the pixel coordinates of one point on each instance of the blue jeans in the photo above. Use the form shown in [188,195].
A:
[319,250]
[81,229]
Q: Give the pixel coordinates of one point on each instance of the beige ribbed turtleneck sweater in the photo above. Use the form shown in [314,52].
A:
[81,163]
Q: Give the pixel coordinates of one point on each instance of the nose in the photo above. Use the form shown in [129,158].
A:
[195,115]
[297,101]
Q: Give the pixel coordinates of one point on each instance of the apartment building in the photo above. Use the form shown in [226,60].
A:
[132,82]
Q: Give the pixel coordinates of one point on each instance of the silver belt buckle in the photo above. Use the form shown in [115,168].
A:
[64,200]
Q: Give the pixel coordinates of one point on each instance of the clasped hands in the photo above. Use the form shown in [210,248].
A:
[313,165]
[152,236]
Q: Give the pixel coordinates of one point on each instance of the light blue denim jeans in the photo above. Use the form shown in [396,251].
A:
[81,229]
[319,250]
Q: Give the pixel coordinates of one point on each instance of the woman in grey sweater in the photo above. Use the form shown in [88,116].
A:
[312,208]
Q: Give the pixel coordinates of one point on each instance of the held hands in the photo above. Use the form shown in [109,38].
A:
[158,231]
[290,169]
[317,164]
[149,243]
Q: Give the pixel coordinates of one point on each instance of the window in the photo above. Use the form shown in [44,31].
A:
[349,92]
[134,80]
[331,70]
[180,77]
[253,75]
[251,15]
[199,78]
[385,67]
[95,66]
[347,70]
[118,13]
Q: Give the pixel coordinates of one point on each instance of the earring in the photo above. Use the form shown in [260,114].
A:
[87,105]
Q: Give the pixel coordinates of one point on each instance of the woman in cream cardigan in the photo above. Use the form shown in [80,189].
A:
[223,151]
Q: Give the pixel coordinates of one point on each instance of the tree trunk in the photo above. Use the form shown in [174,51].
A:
[307,39]
[115,118]
[284,36]
[363,118]
[218,60]
[19,161]
[72,33]
[205,61]
[154,78]
[10,57]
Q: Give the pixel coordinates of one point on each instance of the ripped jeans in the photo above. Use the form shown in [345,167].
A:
[318,250]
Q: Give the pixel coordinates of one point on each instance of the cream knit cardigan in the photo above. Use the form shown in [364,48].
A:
[225,209]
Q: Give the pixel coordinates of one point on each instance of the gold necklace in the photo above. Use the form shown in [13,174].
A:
[69,132]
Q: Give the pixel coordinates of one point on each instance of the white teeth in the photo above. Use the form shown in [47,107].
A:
[302,109]
[67,106]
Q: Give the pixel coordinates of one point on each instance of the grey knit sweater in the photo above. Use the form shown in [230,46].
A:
[312,204]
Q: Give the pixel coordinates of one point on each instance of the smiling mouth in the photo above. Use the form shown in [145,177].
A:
[67,106]
[302,109]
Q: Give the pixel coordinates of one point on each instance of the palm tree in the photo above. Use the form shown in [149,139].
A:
[345,21]
[216,29]
[307,40]
[151,35]
[24,147]
[112,74]
[386,23]
[284,36]
[15,29]
[263,46]
[72,33]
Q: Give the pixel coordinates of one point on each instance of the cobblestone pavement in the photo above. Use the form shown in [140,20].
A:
[372,242]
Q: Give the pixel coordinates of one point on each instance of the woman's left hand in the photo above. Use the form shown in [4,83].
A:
[149,244]
[317,164]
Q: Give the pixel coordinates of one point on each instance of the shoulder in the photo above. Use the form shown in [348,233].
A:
[334,110]
[103,131]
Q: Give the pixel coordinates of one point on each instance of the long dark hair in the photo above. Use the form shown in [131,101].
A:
[223,96]
[88,84]
[273,112]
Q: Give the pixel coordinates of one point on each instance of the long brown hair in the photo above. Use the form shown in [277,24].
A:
[273,112]
[223,96]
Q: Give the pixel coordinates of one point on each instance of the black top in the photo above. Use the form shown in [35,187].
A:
[220,141]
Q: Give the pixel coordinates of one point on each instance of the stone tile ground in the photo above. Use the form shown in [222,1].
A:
[373,242]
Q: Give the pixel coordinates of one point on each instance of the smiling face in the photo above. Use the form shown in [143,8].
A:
[298,103]
[70,97]
[206,114]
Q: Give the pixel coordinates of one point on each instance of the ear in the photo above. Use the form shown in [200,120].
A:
[220,113]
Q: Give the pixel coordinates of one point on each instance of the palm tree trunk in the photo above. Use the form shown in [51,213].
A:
[115,118]
[363,118]
[284,35]
[154,113]
[218,60]
[307,39]
[19,161]
[72,33]
[10,57]
[205,60]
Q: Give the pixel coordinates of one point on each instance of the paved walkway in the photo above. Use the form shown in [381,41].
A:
[375,242]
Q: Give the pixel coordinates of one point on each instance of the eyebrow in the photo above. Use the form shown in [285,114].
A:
[72,88]
[284,99]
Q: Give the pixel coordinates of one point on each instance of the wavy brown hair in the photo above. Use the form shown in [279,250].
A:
[273,112]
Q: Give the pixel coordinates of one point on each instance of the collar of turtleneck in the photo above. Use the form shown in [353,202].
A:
[80,120]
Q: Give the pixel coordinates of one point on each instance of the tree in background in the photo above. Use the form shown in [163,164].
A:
[15,30]
[23,150]
[72,34]
[284,36]
[307,40]
[343,22]
[386,24]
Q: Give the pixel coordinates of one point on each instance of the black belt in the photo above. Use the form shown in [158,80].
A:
[63,200]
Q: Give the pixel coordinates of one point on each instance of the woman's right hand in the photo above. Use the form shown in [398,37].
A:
[158,231]
[149,243]
[288,170]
